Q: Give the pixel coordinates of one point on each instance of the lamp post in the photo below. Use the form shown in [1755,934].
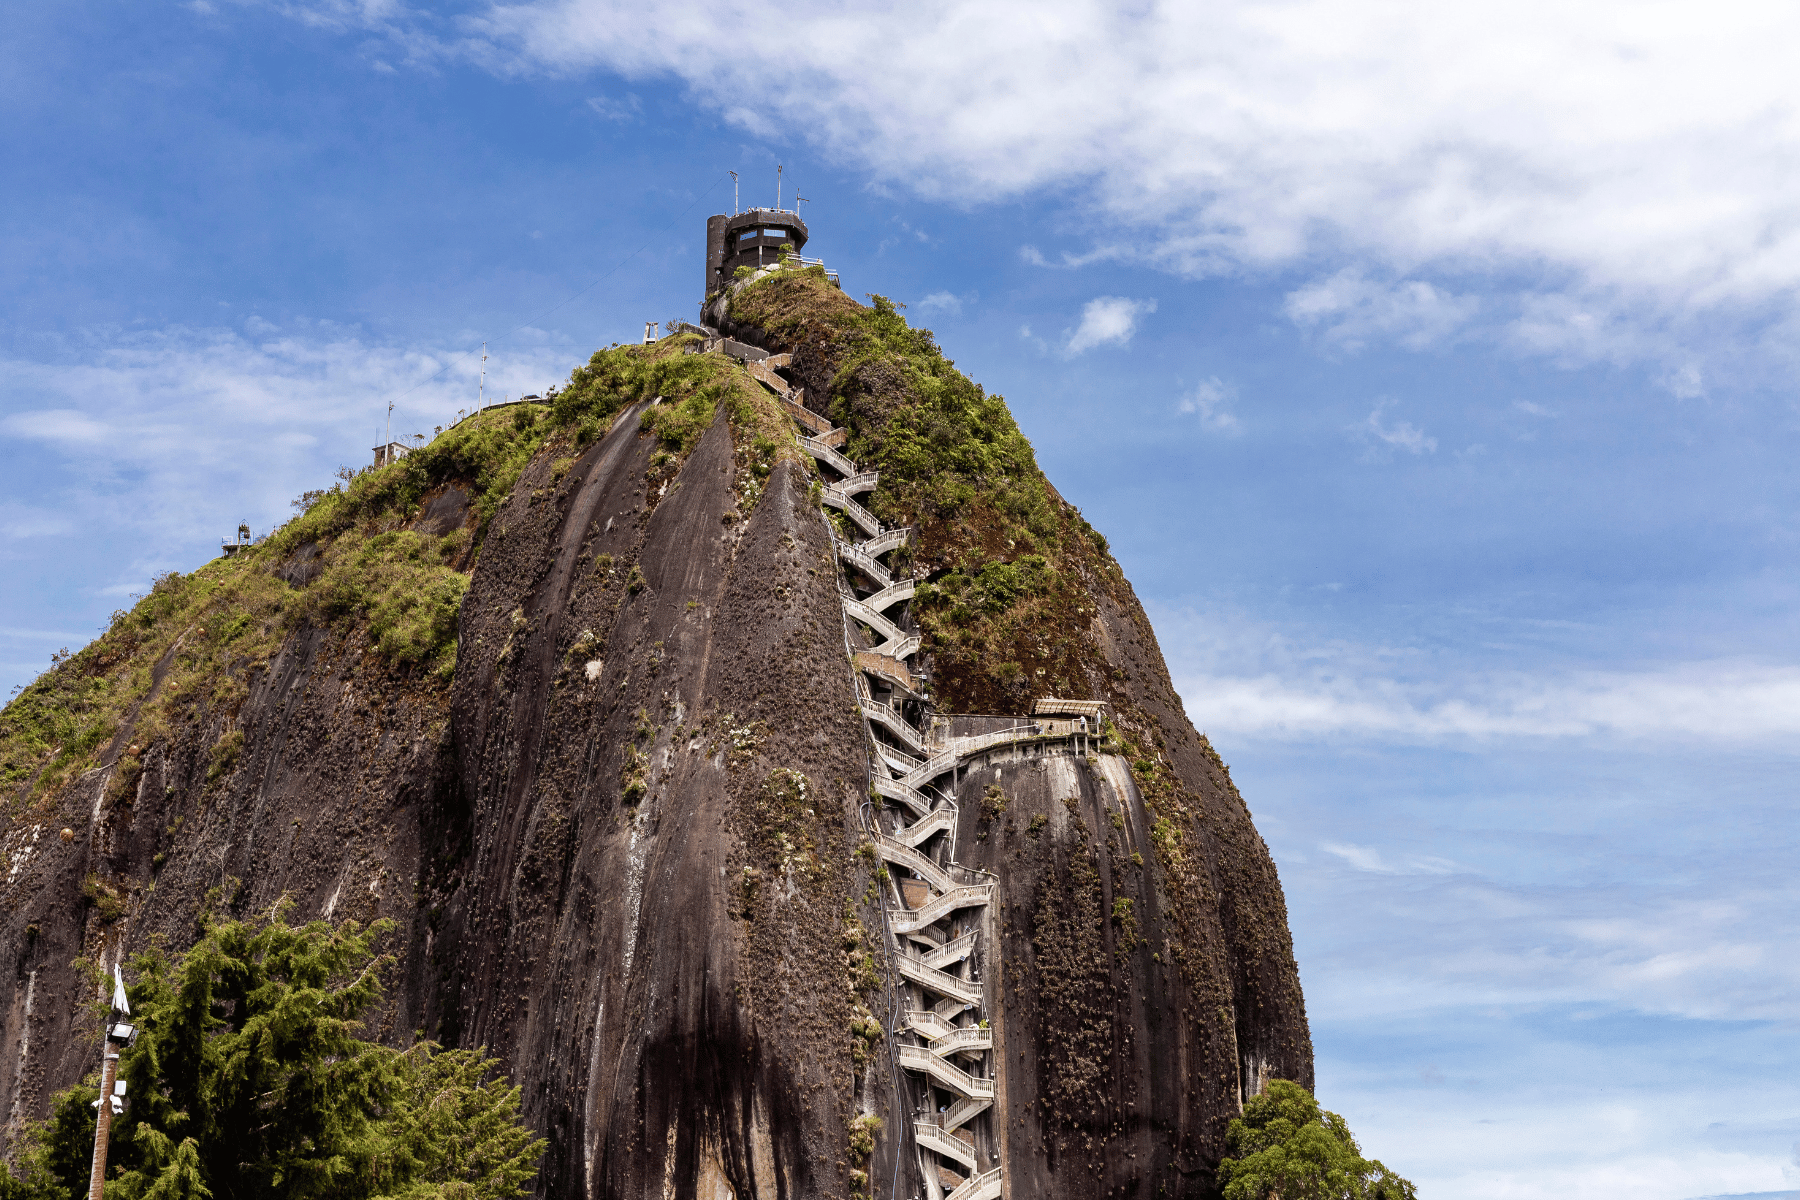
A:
[118,1034]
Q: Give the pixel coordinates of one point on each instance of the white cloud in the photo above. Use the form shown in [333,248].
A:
[1400,435]
[1208,401]
[1352,310]
[610,108]
[1368,858]
[1636,159]
[171,437]
[54,425]
[947,303]
[1714,702]
[1106,320]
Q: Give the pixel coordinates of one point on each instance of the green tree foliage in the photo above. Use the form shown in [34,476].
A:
[249,1079]
[1285,1147]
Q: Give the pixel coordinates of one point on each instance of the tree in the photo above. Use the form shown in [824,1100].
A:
[249,1079]
[1285,1147]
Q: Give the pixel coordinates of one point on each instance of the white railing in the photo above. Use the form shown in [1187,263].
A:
[826,454]
[863,561]
[900,647]
[927,1024]
[893,789]
[884,628]
[866,481]
[893,722]
[938,907]
[837,499]
[914,861]
[935,821]
[978,1187]
[953,1077]
[949,1145]
[892,539]
[954,950]
[897,760]
[941,982]
[963,1111]
[892,594]
[929,770]
[967,1039]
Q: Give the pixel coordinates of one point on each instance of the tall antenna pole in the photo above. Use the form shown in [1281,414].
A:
[481,395]
[390,430]
[734,193]
[777,187]
[798,201]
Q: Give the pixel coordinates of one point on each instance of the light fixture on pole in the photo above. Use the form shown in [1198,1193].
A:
[119,1034]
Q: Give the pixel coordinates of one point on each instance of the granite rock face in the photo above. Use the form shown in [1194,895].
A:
[626,850]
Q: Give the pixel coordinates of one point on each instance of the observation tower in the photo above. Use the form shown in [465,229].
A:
[752,238]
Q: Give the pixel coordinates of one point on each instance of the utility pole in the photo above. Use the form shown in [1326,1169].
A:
[481,395]
[118,1034]
[734,193]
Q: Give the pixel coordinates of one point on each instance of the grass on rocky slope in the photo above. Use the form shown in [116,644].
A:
[1011,567]
[213,629]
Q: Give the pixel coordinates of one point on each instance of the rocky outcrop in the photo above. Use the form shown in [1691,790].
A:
[664,841]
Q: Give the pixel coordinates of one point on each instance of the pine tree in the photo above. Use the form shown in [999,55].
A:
[249,1078]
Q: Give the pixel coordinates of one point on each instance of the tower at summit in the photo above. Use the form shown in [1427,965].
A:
[752,238]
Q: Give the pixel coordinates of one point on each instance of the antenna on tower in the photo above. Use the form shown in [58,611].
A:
[798,201]
[481,394]
[777,187]
[734,193]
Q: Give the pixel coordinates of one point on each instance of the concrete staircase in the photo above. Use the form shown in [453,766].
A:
[951,1051]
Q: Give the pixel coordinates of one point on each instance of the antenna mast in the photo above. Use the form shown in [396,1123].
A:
[734,193]
[777,187]
[390,430]
[481,395]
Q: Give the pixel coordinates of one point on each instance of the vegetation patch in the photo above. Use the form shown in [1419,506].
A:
[1286,1145]
[1006,609]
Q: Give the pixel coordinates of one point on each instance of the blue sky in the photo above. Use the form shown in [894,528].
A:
[1430,368]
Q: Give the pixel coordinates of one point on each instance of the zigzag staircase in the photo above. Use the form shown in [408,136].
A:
[934,907]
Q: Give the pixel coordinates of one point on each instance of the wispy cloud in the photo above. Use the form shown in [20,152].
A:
[1368,858]
[1351,310]
[946,303]
[1106,320]
[1209,401]
[210,426]
[616,108]
[1394,435]
[1725,703]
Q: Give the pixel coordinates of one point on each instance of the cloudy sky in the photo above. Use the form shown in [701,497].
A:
[1430,367]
